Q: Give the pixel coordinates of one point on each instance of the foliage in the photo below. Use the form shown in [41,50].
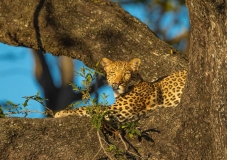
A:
[115,150]
[99,115]
[2,115]
[97,111]
[131,128]
[11,108]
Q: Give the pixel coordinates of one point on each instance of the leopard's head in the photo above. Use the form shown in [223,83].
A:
[121,74]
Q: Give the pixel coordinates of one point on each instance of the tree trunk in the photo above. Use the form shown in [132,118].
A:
[90,30]
[204,103]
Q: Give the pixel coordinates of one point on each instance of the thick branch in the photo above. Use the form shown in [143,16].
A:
[86,30]
[75,138]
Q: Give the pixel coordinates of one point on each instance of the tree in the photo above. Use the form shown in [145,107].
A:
[90,30]
[203,130]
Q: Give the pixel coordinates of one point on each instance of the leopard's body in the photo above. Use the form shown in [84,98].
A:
[135,96]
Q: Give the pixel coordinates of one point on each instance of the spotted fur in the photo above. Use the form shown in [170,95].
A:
[134,96]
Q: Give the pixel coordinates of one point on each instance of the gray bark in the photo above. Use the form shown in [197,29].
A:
[203,130]
[90,30]
[87,30]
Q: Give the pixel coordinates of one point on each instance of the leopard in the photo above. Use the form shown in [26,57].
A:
[134,96]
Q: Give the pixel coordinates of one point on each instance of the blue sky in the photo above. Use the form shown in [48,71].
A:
[17,79]
[16,67]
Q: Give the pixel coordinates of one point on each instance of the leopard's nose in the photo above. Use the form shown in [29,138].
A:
[116,85]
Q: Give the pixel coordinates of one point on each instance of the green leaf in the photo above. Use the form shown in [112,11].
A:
[37,94]
[137,132]
[10,103]
[130,135]
[97,64]
[2,115]
[25,103]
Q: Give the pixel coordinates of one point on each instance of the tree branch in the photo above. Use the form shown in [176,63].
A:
[88,31]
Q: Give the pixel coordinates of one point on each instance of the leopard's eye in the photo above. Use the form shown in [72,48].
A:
[112,73]
[127,75]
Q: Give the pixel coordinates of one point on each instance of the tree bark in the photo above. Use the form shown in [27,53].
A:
[90,30]
[87,30]
[203,131]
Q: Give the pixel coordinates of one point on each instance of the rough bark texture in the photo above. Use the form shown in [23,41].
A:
[203,131]
[89,31]
[75,138]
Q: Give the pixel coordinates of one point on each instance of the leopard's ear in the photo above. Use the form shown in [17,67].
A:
[135,64]
[105,62]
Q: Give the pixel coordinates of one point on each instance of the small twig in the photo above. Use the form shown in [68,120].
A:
[126,149]
[101,145]
[49,111]
[119,135]
[97,153]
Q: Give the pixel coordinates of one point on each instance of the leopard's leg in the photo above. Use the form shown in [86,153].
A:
[78,111]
